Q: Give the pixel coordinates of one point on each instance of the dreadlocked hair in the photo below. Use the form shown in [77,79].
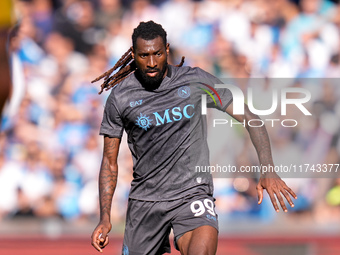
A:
[126,65]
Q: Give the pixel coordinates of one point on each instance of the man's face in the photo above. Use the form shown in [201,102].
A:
[151,57]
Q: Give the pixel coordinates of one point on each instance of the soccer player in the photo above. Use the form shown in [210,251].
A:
[158,104]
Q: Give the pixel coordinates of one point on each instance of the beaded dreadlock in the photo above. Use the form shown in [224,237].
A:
[126,64]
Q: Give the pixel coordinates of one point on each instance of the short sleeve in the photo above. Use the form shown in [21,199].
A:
[223,94]
[112,124]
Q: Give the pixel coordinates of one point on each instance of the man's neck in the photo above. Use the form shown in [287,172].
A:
[166,71]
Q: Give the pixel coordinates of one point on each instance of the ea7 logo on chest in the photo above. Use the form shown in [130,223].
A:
[136,103]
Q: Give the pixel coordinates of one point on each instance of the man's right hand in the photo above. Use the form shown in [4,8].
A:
[99,236]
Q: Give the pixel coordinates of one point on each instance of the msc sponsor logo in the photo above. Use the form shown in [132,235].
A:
[175,114]
[166,116]
[143,121]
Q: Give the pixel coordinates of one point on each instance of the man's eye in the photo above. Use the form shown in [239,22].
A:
[159,54]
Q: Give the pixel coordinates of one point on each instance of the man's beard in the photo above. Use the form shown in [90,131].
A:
[151,83]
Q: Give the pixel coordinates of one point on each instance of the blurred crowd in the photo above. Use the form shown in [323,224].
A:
[50,150]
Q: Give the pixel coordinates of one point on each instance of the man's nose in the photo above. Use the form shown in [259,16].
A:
[152,62]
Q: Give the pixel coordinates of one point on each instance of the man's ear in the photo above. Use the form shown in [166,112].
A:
[167,48]
[132,52]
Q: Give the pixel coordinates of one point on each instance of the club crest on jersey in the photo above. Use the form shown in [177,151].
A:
[184,92]
[143,121]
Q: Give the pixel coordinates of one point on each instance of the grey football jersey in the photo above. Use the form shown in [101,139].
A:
[166,132]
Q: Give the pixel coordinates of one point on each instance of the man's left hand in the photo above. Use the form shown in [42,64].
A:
[275,188]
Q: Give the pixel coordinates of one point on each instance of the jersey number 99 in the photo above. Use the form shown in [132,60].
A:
[198,208]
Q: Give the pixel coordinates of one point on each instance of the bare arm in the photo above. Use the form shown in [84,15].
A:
[269,180]
[107,184]
[258,135]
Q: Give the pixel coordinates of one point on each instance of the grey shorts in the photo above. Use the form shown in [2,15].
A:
[148,224]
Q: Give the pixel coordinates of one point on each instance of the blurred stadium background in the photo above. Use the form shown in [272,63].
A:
[50,150]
